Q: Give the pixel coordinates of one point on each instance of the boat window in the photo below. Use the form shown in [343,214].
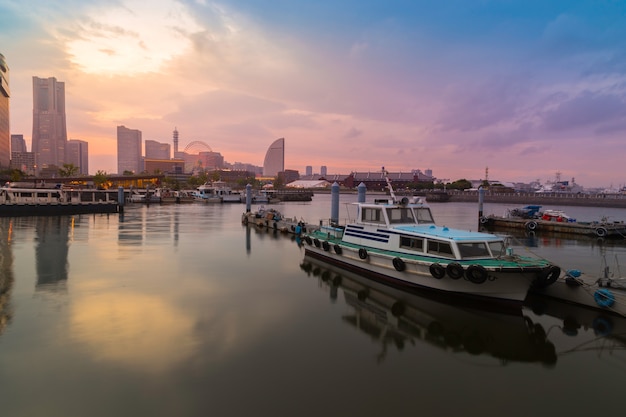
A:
[436,247]
[413,243]
[497,248]
[423,215]
[372,215]
[474,250]
[400,215]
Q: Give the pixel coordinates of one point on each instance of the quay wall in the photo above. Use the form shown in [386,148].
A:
[543,199]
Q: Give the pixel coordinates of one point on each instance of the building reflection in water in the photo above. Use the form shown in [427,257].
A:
[6,272]
[51,252]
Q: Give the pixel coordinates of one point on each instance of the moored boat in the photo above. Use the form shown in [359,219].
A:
[532,219]
[397,241]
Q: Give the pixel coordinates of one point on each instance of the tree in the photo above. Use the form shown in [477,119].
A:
[101,180]
[68,170]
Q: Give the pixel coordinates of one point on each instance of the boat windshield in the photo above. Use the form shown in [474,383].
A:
[497,248]
[474,250]
[424,215]
[400,215]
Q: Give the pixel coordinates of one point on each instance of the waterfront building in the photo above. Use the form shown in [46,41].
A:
[323,170]
[274,158]
[129,157]
[78,154]
[5,130]
[49,123]
[166,165]
[157,150]
[24,161]
[308,170]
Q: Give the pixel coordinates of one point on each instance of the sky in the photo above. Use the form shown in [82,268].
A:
[527,88]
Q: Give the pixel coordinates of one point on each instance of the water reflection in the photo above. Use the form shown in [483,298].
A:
[51,251]
[6,272]
[397,319]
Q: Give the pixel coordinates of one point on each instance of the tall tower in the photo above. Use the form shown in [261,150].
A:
[129,150]
[274,158]
[175,140]
[49,128]
[5,131]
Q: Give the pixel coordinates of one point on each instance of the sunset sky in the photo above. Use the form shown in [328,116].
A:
[528,88]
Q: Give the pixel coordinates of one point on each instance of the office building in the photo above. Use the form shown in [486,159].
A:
[5,130]
[78,155]
[129,157]
[157,150]
[323,171]
[308,170]
[49,126]
[18,144]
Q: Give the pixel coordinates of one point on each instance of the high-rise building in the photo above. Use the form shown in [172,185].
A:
[49,127]
[78,155]
[18,144]
[5,131]
[129,150]
[274,158]
[309,170]
[323,171]
[157,150]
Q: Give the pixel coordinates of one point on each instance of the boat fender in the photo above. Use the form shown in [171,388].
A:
[337,249]
[316,242]
[547,277]
[531,225]
[601,232]
[399,264]
[455,270]
[326,246]
[437,271]
[604,297]
[476,274]
[484,220]
[308,239]
[362,253]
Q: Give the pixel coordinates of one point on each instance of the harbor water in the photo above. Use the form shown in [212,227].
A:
[180,310]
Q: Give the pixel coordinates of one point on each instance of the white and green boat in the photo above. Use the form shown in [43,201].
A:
[397,241]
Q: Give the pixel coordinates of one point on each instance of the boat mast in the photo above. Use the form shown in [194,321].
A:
[393,195]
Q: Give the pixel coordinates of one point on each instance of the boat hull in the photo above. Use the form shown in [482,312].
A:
[510,286]
[608,230]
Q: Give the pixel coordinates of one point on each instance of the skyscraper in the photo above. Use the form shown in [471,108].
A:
[129,150]
[274,158]
[49,127]
[78,155]
[5,131]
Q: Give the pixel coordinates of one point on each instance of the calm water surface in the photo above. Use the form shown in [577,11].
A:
[182,311]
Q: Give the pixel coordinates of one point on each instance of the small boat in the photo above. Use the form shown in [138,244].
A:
[273,219]
[147,195]
[607,293]
[532,219]
[397,241]
[175,196]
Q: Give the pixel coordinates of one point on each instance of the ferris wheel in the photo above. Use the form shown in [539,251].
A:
[196,147]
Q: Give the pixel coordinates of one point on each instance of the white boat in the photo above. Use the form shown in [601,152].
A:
[397,240]
[217,192]
[144,195]
[16,195]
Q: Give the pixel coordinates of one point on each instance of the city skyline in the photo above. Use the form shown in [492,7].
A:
[523,87]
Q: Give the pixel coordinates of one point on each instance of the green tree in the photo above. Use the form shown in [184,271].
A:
[101,180]
[68,170]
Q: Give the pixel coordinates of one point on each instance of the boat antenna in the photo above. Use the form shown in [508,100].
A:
[393,195]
